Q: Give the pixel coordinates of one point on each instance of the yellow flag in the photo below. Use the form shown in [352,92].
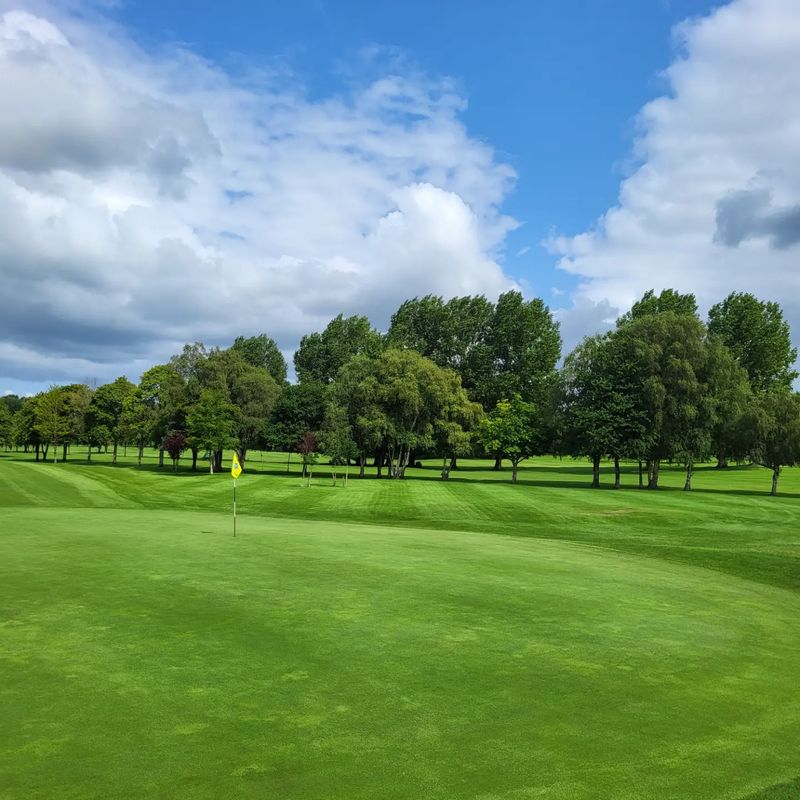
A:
[236,467]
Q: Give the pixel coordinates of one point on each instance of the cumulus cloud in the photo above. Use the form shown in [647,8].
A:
[148,200]
[714,203]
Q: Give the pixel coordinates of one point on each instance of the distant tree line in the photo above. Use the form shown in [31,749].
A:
[455,378]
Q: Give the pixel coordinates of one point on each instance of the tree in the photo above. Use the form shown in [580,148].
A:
[174,443]
[6,426]
[299,408]
[52,419]
[165,392]
[668,301]
[321,355]
[416,398]
[25,430]
[138,421]
[524,345]
[772,429]
[758,336]
[355,390]
[667,353]
[601,407]
[336,440]
[261,351]
[60,416]
[512,430]
[106,407]
[12,402]
[307,447]
[210,426]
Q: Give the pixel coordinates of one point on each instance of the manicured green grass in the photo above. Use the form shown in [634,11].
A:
[396,639]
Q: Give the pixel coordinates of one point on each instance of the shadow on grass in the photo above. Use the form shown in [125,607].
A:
[464,474]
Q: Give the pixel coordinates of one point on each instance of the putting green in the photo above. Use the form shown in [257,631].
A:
[146,653]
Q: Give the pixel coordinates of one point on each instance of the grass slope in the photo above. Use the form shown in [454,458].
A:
[383,641]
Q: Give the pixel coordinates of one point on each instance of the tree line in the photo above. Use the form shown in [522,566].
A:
[456,378]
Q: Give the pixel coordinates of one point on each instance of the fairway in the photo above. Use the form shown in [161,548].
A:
[397,639]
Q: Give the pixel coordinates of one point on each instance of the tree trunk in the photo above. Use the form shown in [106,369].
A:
[139,454]
[37,452]
[775,473]
[114,456]
[218,461]
[194,459]
[64,452]
[453,463]
[652,477]
[89,454]
[641,477]
[242,456]
[616,472]
[595,472]
[498,463]
[45,448]
[687,487]
[160,456]
[722,462]
[514,465]
[361,465]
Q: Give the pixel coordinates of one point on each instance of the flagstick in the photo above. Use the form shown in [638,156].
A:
[234,508]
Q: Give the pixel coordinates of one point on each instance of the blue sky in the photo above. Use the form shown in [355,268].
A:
[194,174]
[554,87]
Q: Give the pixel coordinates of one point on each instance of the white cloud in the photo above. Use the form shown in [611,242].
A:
[713,205]
[150,200]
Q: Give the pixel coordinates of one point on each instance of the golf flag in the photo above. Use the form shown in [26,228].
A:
[236,467]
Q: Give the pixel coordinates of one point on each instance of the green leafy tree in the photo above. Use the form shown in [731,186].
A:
[416,397]
[669,301]
[211,423]
[336,439]
[355,390]
[299,408]
[524,345]
[25,430]
[6,426]
[321,355]
[164,389]
[261,351]
[106,408]
[667,352]
[52,418]
[758,336]
[512,429]
[138,421]
[602,409]
[771,428]
[12,402]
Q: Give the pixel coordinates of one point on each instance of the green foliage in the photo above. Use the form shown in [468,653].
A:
[106,406]
[211,422]
[602,411]
[261,351]
[513,430]
[336,436]
[6,426]
[524,345]
[299,408]
[669,301]
[321,355]
[759,337]
[12,402]
[771,428]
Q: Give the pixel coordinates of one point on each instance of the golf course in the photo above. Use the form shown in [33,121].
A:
[418,638]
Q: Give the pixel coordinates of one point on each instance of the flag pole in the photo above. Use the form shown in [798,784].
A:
[234,508]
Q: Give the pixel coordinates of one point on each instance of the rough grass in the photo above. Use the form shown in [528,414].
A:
[415,639]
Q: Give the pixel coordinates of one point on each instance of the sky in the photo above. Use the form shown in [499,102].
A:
[169,177]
